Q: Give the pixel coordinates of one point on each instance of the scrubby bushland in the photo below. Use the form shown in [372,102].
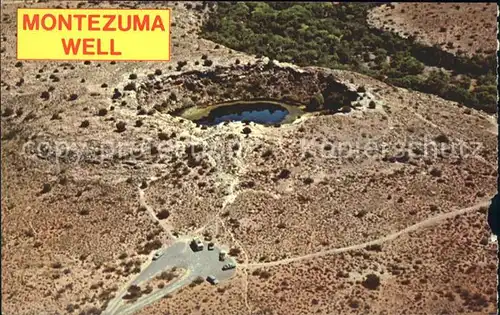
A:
[338,36]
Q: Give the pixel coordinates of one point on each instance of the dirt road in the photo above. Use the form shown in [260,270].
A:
[422,224]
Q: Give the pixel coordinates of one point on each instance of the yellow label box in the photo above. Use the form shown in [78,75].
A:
[93,34]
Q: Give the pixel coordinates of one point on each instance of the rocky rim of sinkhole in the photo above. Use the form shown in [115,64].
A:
[265,80]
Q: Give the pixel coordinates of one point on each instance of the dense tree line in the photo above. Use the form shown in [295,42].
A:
[338,36]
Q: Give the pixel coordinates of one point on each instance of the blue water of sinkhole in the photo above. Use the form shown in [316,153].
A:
[264,113]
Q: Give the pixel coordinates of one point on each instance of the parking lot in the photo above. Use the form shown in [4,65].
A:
[203,263]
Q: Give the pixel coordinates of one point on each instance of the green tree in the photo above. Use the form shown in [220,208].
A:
[437,82]
[317,102]
[461,95]
[338,36]
[411,66]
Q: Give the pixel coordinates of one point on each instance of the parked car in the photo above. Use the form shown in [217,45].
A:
[211,246]
[157,255]
[212,280]
[196,245]
[222,255]
[228,266]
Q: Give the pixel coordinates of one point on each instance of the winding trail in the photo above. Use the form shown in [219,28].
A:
[149,209]
[422,224]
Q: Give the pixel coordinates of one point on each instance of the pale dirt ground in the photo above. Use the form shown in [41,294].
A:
[95,218]
[414,278]
[225,298]
[470,27]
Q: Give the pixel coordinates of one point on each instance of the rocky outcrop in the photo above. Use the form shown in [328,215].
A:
[263,80]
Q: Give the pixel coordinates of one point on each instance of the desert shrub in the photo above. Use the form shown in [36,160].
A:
[353,303]
[149,247]
[133,292]
[374,247]
[163,214]
[116,94]
[435,172]
[235,251]
[93,311]
[371,282]
[267,153]
[45,95]
[120,126]
[130,87]
[147,290]
[361,213]
[308,180]
[56,265]
[264,274]
[285,173]
[433,208]
[167,275]
[46,188]
[70,308]
[442,138]
[180,65]
[154,149]
[8,111]
[197,281]
[55,116]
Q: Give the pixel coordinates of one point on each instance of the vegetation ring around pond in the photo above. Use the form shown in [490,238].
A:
[264,112]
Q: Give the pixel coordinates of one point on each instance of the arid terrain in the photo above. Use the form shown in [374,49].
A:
[466,27]
[377,209]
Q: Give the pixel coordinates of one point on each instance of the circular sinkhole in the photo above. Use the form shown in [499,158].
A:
[264,112]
